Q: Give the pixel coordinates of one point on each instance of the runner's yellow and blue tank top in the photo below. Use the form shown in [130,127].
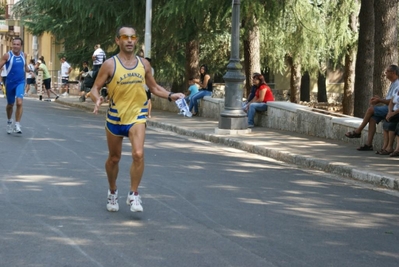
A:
[127,95]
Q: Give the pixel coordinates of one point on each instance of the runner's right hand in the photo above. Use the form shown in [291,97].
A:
[97,105]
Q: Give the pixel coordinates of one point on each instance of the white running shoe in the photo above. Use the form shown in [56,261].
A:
[183,107]
[112,202]
[17,128]
[134,202]
[65,94]
[9,127]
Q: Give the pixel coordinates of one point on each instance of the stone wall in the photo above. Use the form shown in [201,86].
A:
[163,104]
[292,117]
[315,122]
[281,95]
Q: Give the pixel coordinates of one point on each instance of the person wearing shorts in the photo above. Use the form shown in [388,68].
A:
[82,74]
[16,66]
[126,117]
[374,113]
[65,71]
[3,80]
[46,79]
[395,153]
[393,120]
[30,77]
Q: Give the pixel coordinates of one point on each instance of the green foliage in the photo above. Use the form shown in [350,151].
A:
[3,5]
[179,21]
[311,31]
[338,30]
[79,25]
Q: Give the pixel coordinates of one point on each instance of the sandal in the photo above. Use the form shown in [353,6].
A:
[384,152]
[365,148]
[394,154]
[353,134]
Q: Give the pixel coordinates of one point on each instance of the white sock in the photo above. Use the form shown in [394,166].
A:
[17,123]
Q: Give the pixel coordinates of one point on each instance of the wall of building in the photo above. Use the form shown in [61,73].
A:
[334,85]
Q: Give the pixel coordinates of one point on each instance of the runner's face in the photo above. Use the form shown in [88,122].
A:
[126,40]
[16,46]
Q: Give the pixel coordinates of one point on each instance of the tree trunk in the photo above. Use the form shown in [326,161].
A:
[295,79]
[251,56]
[349,72]
[349,77]
[364,59]
[192,61]
[385,43]
[305,87]
[321,87]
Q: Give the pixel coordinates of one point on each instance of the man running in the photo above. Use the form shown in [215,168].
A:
[127,75]
[16,65]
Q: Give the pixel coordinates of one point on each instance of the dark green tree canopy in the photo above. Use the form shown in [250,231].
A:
[311,32]
[79,25]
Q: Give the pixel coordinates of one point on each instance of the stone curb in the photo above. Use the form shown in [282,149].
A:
[299,160]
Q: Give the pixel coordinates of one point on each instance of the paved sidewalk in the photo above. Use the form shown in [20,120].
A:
[331,156]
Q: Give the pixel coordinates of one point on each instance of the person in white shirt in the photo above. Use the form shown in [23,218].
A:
[3,79]
[98,57]
[30,76]
[65,71]
[376,113]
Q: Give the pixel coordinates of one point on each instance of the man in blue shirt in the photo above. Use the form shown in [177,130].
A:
[16,65]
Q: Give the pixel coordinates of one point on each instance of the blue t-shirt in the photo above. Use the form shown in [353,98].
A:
[193,90]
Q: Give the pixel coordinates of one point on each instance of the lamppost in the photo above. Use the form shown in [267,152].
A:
[233,119]
[148,18]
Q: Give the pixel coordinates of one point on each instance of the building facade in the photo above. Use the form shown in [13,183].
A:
[34,46]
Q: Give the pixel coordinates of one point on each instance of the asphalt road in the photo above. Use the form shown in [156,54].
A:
[204,205]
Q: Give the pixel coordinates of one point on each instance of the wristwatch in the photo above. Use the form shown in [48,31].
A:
[170,99]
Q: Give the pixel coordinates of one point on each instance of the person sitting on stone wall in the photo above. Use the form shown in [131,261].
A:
[206,86]
[395,153]
[251,94]
[263,95]
[388,138]
[192,89]
[393,119]
[374,113]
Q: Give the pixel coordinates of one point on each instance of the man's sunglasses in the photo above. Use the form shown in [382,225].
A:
[125,37]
